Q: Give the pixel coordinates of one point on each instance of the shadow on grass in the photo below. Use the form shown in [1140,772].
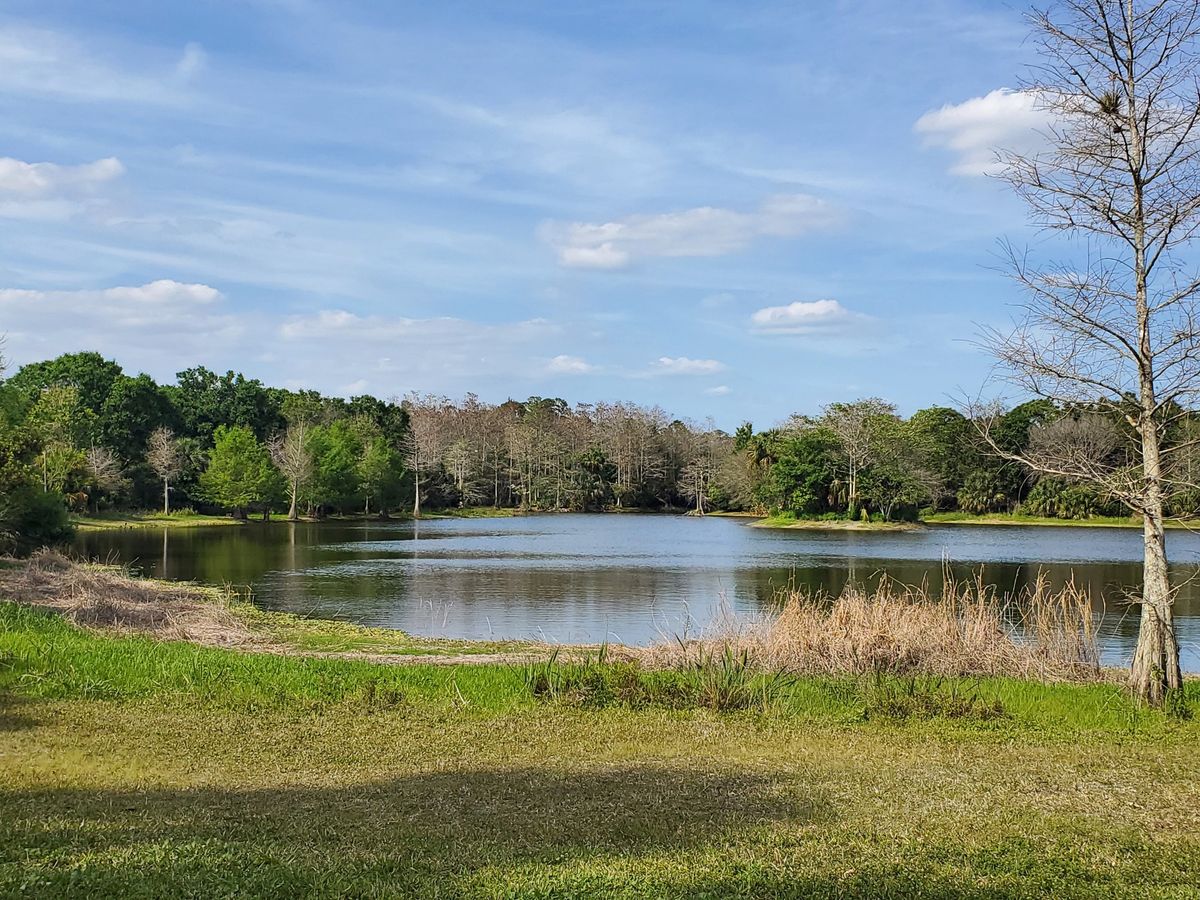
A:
[12,718]
[407,830]
[633,831]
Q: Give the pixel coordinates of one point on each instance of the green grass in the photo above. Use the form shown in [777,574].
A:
[791,520]
[185,518]
[310,635]
[139,768]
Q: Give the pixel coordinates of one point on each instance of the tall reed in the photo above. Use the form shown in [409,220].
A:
[965,630]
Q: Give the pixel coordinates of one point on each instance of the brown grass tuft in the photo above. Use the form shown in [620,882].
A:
[107,597]
[966,631]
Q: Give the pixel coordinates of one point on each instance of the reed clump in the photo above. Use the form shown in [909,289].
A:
[721,680]
[107,597]
[966,630]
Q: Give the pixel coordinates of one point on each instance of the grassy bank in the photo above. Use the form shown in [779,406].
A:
[138,767]
[189,519]
[957,518]
[144,519]
[787,520]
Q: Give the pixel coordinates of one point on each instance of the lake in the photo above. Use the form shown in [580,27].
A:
[626,578]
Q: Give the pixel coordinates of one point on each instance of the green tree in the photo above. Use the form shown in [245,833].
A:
[336,451]
[381,474]
[131,412]
[90,374]
[62,427]
[239,474]
[206,400]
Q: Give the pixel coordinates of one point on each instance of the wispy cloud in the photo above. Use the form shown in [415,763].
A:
[682,365]
[569,365]
[701,231]
[42,63]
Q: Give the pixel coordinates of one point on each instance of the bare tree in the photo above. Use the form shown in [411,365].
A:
[104,469]
[291,454]
[165,457]
[426,438]
[1116,327]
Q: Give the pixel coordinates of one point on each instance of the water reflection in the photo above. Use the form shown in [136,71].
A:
[627,578]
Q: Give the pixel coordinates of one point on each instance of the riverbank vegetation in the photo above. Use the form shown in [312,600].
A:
[79,435]
[138,765]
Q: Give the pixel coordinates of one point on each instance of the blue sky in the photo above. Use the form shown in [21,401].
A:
[737,210]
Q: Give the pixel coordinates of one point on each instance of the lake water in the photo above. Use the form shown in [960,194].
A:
[626,578]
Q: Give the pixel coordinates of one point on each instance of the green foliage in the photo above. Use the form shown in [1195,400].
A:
[983,492]
[381,475]
[722,682]
[916,697]
[800,470]
[337,450]
[91,375]
[239,474]
[1057,499]
[950,449]
[594,475]
[31,517]
[205,401]
[133,408]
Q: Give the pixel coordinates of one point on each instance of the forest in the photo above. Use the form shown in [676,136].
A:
[80,435]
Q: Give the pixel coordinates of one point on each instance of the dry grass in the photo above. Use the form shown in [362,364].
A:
[966,631]
[105,597]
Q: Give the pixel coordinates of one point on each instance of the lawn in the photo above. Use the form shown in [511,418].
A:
[135,767]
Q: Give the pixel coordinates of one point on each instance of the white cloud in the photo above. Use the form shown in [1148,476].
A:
[804,317]
[569,365]
[43,179]
[721,390]
[49,192]
[164,326]
[156,316]
[163,292]
[702,231]
[682,365]
[975,129]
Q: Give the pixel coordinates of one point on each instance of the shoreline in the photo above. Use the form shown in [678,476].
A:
[113,522]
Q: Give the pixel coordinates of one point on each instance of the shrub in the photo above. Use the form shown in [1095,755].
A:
[31,518]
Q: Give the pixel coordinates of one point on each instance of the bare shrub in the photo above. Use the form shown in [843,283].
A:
[967,630]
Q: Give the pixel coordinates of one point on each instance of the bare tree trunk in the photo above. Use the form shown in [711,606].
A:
[416,494]
[1155,669]
[166,497]
[292,512]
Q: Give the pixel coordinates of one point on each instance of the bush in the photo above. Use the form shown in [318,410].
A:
[720,682]
[924,698]
[31,518]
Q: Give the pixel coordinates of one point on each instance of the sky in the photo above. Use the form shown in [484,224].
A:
[732,210]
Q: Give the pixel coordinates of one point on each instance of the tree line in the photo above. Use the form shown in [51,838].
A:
[79,434]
